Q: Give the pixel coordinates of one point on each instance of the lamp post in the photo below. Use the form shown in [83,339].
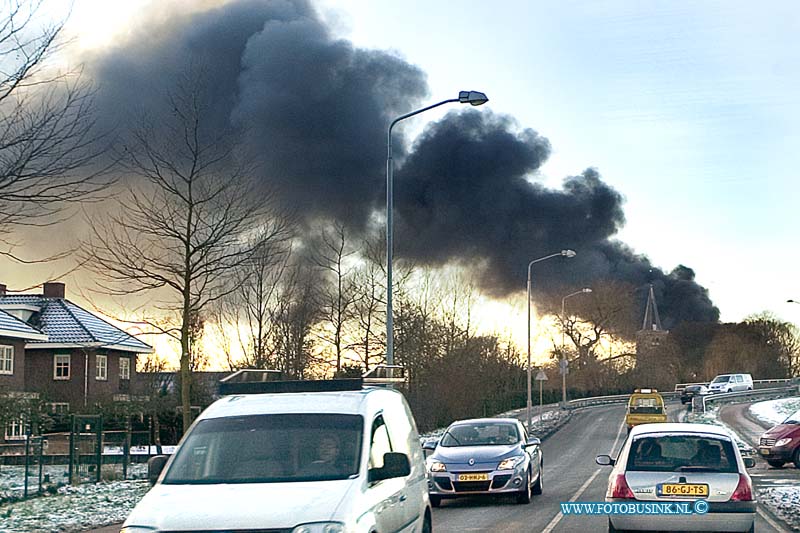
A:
[562,253]
[792,302]
[585,290]
[474,98]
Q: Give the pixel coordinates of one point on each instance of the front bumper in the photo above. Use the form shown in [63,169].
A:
[446,484]
[775,453]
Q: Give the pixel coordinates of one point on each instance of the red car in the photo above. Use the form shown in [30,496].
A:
[781,444]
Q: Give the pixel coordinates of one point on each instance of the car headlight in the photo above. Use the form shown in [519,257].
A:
[783,442]
[436,466]
[510,463]
[137,529]
[320,527]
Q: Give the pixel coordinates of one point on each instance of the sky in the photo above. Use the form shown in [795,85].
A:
[688,110]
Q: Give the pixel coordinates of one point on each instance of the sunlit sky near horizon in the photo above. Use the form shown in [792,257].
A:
[690,109]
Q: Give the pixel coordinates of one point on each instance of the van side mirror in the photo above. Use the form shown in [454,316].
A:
[604,460]
[394,465]
[154,467]
[749,462]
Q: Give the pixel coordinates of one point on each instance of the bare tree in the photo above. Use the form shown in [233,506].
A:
[48,135]
[338,296]
[293,321]
[369,331]
[195,218]
[606,313]
[246,313]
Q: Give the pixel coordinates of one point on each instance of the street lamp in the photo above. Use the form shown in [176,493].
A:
[585,290]
[474,98]
[792,302]
[562,253]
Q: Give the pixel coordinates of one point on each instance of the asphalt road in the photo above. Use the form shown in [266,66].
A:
[570,474]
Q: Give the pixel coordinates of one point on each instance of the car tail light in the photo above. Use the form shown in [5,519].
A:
[744,490]
[619,488]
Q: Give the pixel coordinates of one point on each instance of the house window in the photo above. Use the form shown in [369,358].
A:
[6,359]
[15,430]
[59,408]
[61,366]
[124,368]
[102,367]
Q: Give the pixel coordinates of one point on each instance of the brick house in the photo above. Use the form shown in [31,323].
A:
[65,354]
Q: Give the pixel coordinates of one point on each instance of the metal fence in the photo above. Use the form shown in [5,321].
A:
[701,404]
[757,383]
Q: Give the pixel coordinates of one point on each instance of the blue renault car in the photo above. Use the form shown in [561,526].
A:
[484,456]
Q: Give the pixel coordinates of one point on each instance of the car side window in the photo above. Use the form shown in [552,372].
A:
[380,443]
[739,379]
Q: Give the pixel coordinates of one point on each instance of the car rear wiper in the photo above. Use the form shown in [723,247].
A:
[458,443]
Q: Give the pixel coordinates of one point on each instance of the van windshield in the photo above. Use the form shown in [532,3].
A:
[721,379]
[268,449]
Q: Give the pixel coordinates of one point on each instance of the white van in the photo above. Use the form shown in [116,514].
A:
[731,383]
[301,462]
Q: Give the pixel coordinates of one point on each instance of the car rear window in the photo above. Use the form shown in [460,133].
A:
[682,453]
[645,406]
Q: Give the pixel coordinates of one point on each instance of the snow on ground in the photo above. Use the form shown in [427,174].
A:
[74,509]
[784,502]
[774,412]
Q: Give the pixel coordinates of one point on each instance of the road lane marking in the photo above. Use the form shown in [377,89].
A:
[619,432]
[554,522]
[770,521]
[556,519]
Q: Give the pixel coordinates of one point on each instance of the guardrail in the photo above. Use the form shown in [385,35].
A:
[726,397]
[616,398]
[680,386]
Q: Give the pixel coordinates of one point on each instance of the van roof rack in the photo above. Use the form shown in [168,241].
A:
[273,387]
[386,375]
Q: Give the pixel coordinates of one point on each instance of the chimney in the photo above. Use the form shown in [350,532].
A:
[2,289]
[53,289]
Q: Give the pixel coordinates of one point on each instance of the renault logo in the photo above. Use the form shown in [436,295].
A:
[471,462]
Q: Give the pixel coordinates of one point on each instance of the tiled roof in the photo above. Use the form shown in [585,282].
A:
[67,323]
[11,326]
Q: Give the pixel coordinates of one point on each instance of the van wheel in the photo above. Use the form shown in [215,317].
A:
[524,496]
[775,464]
[796,457]
[537,487]
[436,501]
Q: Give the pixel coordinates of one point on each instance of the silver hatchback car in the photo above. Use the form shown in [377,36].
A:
[485,456]
[681,463]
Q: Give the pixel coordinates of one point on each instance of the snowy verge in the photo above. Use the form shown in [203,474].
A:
[74,509]
[784,502]
[774,412]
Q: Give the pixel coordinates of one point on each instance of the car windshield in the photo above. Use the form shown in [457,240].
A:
[480,434]
[681,453]
[269,448]
[721,379]
[793,419]
[693,388]
[651,406]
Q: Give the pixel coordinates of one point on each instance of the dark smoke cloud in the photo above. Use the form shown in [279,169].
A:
[315,109]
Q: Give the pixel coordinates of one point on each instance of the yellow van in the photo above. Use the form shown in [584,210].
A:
[645,406]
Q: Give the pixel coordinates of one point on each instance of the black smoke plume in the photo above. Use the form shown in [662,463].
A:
[314,110]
